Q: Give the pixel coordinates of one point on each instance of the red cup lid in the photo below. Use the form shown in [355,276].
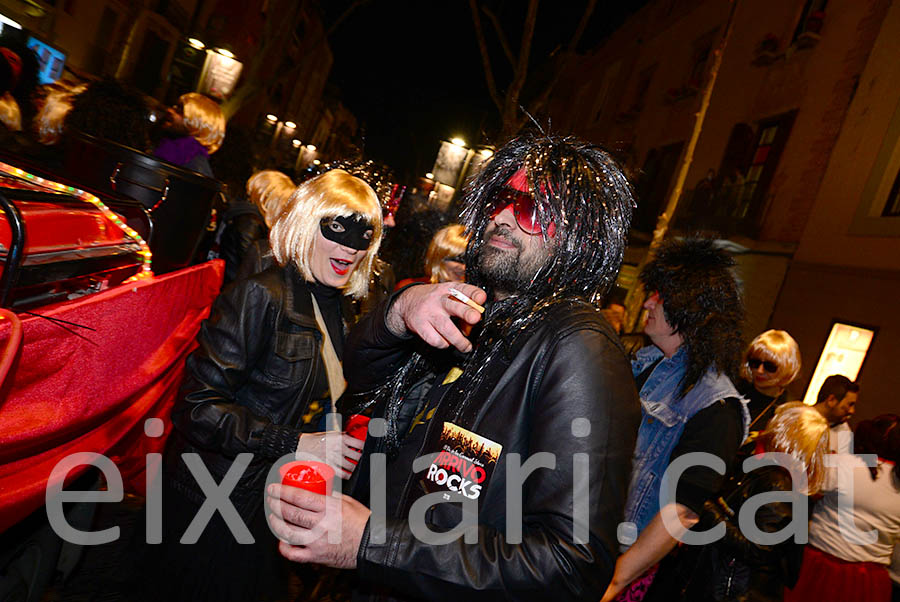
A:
[312,476]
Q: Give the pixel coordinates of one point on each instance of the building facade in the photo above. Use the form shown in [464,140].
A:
[795,163]
[282,47]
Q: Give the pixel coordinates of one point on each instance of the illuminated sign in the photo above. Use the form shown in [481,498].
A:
[220,75]
[450,161]
[844,353]
[50,60]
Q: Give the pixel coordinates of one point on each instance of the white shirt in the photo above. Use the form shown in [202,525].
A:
[840,440]
[875,513]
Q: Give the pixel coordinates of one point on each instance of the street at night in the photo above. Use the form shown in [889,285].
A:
[389,300]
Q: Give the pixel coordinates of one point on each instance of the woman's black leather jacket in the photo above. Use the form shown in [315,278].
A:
[248,383]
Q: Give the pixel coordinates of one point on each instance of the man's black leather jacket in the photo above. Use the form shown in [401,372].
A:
[248,383]
[572,367]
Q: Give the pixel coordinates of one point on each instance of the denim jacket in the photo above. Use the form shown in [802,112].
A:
[663,417]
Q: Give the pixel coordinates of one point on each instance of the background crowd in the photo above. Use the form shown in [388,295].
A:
[305,260]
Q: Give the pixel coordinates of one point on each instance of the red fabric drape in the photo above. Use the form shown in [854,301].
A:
[74,390]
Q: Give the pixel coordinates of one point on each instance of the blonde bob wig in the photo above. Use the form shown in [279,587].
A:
[335,193]
[268,190]
[448,242]
[778,347]
[802,432]
[204,120]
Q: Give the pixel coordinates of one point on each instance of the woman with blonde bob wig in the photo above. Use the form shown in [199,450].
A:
[771,363]
[444,261]
[203,119]
[196,129]
[445,258]
[268,190]
[330,212]
[265,374]
[246,225]
[739,566]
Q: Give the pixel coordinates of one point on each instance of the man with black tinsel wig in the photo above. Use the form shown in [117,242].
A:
[541,376]
[689,402]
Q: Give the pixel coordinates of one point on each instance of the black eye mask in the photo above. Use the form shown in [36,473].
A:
[351,231]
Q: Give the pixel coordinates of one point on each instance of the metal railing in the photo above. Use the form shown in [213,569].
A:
[726,210]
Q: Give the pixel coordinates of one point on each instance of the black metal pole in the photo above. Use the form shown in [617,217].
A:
[16,248]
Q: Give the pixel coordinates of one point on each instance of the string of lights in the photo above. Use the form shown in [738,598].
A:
[144,252]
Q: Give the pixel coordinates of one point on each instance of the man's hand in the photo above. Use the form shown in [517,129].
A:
[428,311]
[305,521]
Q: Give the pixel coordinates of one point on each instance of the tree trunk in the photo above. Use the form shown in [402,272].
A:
[635,299]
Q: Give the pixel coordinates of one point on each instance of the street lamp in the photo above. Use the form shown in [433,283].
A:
[458,142]
[311,148]
[429,176]
[290,125]
[296,143]
[195,43]
[225,52]
[271,118]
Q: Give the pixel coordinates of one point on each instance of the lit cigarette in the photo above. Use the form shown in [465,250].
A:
[461,297]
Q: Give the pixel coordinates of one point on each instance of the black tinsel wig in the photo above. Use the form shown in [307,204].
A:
[702,302]
[577,186]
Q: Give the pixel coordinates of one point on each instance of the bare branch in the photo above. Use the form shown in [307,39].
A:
[582,25]
[485,59]
[356,4]
[538,103]
[521,70]
[502,36]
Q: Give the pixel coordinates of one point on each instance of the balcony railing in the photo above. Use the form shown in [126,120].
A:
[723,211]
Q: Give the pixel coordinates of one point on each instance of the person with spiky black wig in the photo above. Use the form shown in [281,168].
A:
[541,371]
[689,402]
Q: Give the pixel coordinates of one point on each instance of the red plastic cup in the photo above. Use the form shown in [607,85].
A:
[357,426]
[317,477]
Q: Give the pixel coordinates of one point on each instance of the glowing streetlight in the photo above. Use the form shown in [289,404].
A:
[195,43]
[225,52]
[458,141]
[486,152]
[271,118]
[311,148]
[290,125]
[429,176]
[316,162]
[296,143]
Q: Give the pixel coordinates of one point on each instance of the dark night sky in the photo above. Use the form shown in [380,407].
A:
[411,72]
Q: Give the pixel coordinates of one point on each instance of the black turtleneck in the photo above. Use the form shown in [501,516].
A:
[329,300]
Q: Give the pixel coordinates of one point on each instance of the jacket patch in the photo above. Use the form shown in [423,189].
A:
[463,464]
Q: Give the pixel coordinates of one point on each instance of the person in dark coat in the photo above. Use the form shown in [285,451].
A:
[541,376]
[247,222]
[265,374]
[738,567]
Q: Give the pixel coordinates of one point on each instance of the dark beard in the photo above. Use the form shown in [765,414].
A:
[503,270]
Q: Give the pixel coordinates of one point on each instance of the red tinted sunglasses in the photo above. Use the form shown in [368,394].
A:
[523,208]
